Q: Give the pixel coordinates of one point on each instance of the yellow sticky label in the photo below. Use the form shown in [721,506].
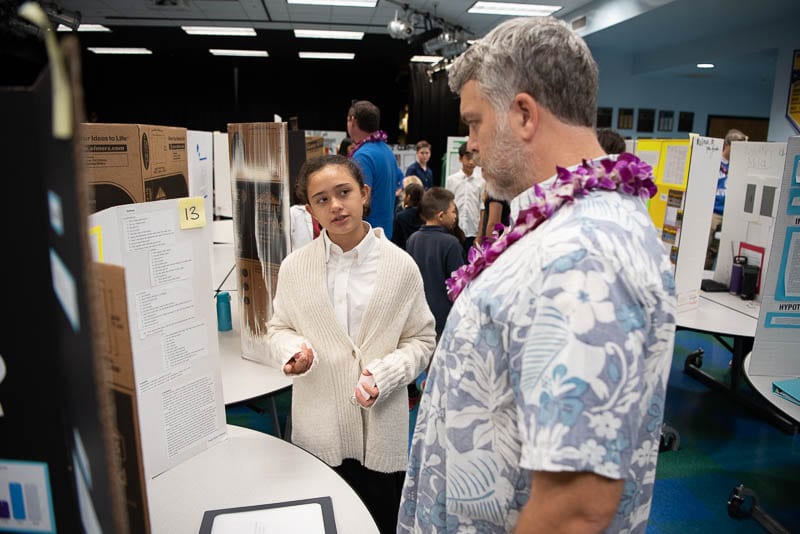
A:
[192,212]
[96,243]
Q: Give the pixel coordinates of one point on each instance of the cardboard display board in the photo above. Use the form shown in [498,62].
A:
[686,172]
[127,163]
[776,351]
[695,215]
[261,199]
[176,387]
[200,155]
[331,139]
[223,205]
[754,182]
[671,171]
[405,157]
[58,470]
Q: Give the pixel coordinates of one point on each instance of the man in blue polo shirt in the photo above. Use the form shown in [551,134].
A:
[377,162]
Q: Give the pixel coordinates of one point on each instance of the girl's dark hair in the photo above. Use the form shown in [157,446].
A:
[315,164]
[414,193]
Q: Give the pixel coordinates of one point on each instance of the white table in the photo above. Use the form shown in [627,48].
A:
[733,302]
[722,314]
[763,385]
[727,318]
[245,379]
[249,468]
[242,379]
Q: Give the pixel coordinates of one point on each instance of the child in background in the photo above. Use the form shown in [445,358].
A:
[407,221]
[420,167]
[437,252]
[352,326]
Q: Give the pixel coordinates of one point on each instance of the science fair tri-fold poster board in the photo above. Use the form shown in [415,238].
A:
[776,351]
[171,366]
[753,187]
[686,172]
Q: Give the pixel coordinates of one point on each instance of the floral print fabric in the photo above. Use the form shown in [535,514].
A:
[555,359]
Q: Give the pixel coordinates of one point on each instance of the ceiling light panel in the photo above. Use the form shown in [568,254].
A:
[705,65]
[84,28]
[238,53]
[328,34]
[326,55]
[335,3]
[509,8]
[219,30]
[425,59]
[113,50]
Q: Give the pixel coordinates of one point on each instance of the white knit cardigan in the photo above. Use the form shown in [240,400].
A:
[395,343]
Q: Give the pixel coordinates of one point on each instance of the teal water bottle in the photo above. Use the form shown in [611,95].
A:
[224,311]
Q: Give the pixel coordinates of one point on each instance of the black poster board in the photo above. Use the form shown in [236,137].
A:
[51,406]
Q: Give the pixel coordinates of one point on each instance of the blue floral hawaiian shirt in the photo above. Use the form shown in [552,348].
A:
[555,358]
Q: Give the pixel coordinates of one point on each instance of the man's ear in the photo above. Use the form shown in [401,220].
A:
[525,115]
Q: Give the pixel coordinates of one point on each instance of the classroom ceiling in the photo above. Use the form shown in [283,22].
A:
[664,38]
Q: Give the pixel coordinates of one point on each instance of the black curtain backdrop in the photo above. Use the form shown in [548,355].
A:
[205,93]
[433,115]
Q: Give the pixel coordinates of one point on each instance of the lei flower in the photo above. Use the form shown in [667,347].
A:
[627,174]
[374,137]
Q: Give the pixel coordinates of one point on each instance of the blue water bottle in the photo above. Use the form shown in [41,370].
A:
[224,311]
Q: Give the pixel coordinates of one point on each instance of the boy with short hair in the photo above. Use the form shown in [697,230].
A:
[436,251]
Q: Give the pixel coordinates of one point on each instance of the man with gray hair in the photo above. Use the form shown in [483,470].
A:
[544,402]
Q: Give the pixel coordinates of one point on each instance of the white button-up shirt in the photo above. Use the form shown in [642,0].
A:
[351,279]
[467,192]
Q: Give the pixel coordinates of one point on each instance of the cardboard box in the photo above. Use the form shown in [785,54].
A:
[315,146]
[115,347]
[128,163]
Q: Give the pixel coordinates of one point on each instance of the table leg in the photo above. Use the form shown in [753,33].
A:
[741,346]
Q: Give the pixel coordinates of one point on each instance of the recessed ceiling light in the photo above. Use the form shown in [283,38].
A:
[239,53]
[113,50]
[426,59]
[509,8]
[219,30]
[84,28]
[342,3]
[326,55]
[705,65]
[328,34]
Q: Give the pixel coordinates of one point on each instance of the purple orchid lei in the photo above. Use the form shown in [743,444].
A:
[374,137]
[627,174]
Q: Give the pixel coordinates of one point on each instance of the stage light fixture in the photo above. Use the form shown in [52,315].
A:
[400,27]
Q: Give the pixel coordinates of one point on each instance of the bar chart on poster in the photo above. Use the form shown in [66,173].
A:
[25,499]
